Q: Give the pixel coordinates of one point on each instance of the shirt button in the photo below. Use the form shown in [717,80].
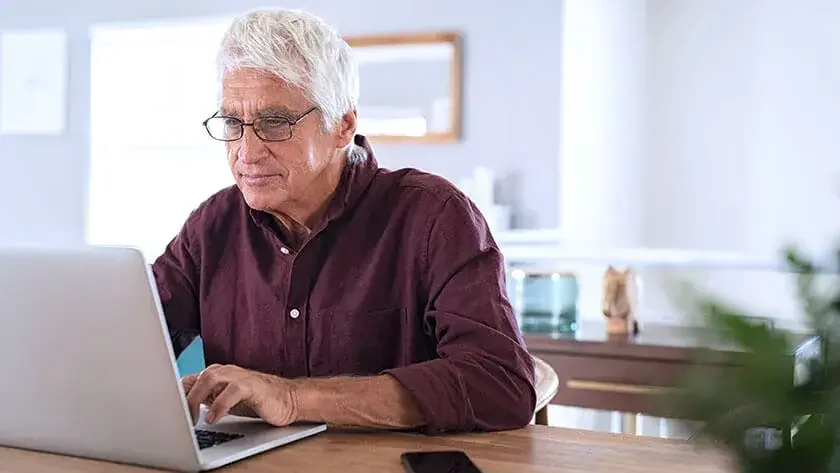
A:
[284,250]
[294,313]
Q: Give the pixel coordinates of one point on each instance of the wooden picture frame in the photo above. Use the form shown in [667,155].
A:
[453,40]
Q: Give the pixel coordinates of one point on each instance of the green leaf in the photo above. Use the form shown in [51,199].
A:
[816,435]
[757,390]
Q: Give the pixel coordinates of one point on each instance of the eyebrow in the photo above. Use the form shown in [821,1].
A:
[266,112]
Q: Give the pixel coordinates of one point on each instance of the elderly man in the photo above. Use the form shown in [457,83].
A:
[325,288]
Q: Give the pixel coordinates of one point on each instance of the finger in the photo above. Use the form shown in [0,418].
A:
[207,384]
[187,382]
[226,400]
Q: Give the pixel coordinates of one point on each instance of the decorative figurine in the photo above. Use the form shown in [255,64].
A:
[621,297]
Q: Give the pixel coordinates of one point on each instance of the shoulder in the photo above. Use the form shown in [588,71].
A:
[439,203]
[207,227]
[419,188]
[216,214]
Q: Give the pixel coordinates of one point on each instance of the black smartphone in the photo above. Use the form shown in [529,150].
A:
[449,461]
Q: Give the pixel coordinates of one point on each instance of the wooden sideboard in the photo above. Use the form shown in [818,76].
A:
[627,374]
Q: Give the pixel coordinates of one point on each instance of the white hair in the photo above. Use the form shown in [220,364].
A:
[302,50]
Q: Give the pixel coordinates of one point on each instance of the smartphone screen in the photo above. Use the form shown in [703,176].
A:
[438,462]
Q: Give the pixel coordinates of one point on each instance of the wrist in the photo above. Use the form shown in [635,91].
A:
[304,401]
[276,402]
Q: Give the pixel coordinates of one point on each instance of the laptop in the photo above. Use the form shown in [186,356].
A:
[87,367]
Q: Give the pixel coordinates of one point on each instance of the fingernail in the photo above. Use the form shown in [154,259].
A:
[210,418]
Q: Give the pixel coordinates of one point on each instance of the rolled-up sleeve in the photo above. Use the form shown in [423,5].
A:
[483,378]
[176,276]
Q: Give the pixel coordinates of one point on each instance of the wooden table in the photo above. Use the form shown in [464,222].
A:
[529,450]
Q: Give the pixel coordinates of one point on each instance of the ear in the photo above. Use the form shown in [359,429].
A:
[345,129]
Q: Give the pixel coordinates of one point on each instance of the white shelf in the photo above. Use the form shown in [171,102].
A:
[552,236]
[521,253]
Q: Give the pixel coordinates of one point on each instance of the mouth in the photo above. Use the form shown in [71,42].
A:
[258,179]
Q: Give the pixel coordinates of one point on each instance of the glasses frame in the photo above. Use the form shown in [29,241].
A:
[243,124]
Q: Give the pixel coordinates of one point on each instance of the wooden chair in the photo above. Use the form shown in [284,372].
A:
[547,383]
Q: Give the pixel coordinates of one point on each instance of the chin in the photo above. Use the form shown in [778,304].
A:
[262,199]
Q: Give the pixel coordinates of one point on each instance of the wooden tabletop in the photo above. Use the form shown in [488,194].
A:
[530,450]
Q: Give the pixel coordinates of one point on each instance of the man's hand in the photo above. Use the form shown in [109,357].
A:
[230,389]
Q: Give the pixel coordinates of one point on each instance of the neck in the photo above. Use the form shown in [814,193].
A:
[302,215]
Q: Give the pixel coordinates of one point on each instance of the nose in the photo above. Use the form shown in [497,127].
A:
[251,148]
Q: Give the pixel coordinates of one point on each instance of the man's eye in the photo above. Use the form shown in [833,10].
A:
[274,122]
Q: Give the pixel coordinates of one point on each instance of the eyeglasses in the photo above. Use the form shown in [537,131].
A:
[267,128]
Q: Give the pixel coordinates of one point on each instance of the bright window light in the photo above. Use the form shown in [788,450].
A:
[412,126]
[152,162]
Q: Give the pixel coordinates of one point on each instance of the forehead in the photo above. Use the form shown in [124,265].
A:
[249,91]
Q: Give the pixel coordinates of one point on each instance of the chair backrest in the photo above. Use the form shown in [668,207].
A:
[546,382]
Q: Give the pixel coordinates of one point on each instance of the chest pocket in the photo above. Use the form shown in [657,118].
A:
[345,342]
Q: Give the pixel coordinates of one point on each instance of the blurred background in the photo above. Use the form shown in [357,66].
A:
[687,139]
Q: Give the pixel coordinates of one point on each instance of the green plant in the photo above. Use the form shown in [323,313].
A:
[755,409]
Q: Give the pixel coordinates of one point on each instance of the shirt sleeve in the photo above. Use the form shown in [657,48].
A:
[176,276]
[483,378]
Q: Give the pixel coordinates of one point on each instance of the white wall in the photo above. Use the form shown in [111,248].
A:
[602,126]
[721,114]
[798,134]
[743,153]
[701,101]
[702,125]
[743,104]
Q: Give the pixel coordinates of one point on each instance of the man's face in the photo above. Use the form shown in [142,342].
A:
[274,176]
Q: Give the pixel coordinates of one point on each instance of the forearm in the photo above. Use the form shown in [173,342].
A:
[470,391]
[371,401]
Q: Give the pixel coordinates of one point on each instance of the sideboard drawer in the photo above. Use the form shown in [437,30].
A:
[615,384]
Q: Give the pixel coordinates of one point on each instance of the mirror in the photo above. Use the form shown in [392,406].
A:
[410,87]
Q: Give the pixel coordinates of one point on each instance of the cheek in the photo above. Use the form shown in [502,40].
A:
[232,151]
[311,156]
[293,155]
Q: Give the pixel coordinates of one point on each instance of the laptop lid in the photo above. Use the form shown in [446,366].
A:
[87,362]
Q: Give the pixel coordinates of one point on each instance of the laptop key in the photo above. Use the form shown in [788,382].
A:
[209,438]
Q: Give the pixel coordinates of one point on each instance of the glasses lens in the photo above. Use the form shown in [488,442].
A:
[273,128]
[225,129]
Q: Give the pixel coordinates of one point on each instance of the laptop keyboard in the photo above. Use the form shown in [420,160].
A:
[209,438]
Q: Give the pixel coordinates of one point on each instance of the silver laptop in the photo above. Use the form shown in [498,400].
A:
[87,368]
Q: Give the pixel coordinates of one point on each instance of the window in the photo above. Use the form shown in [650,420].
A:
[152,162]
[391,121]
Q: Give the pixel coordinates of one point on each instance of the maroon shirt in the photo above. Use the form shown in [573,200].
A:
[401,277]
